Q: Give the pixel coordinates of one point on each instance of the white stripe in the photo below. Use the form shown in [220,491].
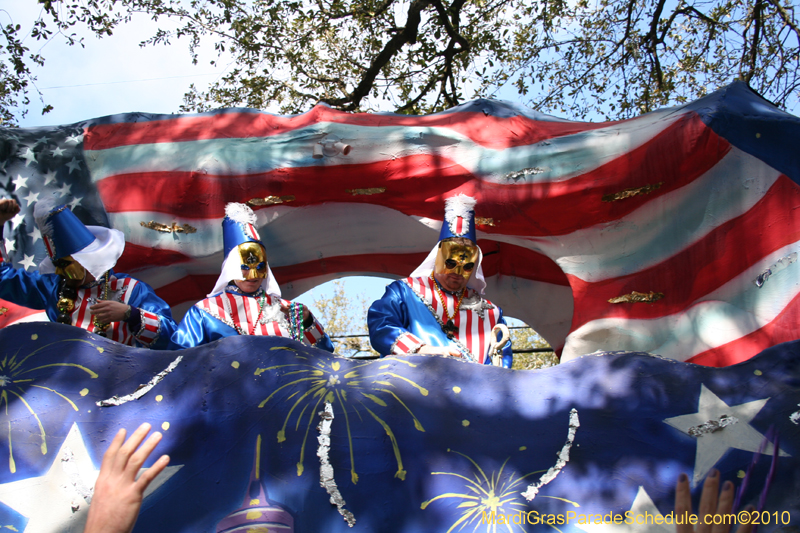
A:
[736,309]
[668,225]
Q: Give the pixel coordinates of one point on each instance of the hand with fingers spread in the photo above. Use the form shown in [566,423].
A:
[712,502]
[117,493]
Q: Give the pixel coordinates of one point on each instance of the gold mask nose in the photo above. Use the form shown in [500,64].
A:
[254,260]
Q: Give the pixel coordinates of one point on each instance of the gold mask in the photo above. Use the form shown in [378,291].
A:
[254,260]
[69,269]
[456,258]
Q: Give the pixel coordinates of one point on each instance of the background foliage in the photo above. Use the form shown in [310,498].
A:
[600,59]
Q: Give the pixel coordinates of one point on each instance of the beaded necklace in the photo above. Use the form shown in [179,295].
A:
[296,321]
[449,327]
[262,304]
[99,327]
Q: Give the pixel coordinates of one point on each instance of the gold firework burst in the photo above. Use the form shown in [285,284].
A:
[355,391]
[486,498]
[14,383]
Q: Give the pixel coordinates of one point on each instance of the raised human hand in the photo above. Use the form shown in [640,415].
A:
[117,493]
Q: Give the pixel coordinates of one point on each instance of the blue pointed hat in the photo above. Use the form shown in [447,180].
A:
[459,218]
[63,233]
[238,227]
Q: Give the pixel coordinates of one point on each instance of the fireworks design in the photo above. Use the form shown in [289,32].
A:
[486,498]
[15,381]
[352,392]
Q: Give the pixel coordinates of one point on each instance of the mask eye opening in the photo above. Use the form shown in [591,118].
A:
[469,266]
[450,263]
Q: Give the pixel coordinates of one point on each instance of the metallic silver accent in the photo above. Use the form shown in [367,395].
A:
[326,479]
[476,304]
[142,389]
[563,457]
[524,173]
[712,426]
[782,263]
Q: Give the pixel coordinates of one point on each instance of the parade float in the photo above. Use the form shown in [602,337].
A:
[657,255]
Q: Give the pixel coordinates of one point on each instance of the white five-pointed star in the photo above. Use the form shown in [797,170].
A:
[737,433]
[64,491]
[77,139]
[74,165]
[58,151]
[27,262]
[32,197]
[49,177]
[19,183]
[42,139]
[64,189]
[35,235]
[29,156]
[75,202]
[17,220]
[641,505]
[10,245]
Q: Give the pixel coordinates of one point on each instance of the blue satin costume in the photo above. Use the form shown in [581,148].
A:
[198,327]
[400,311]
[40,291]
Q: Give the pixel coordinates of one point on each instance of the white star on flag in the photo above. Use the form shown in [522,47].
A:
[74,165]
[17,220]
[58,151]
[10,245]
[19,183]
[49,177]
[35,235]
[42,140]
[32,197]
[64,190]
[75,202]
[733,430]
[29,156]
[28,262]
[77,139]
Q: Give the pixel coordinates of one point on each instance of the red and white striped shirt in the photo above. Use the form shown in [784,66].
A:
[119,290]
[249,316]
[474,320]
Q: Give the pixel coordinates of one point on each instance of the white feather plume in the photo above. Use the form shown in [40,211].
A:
[41,214]
[240,213]
[456,206]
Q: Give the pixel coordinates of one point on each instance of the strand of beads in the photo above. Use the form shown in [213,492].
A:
[296,321]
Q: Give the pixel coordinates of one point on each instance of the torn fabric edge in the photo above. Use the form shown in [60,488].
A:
[143,389]
[563,457]
[326,480]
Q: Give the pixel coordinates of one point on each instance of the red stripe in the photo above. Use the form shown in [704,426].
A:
[700,268]
[490,131]
[136,257]
[682,153]
[83,309]
[402,346]
[783,328]
[459,225]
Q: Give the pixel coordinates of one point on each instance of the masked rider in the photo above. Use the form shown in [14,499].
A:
[246,299]
[75,283]
[440,308]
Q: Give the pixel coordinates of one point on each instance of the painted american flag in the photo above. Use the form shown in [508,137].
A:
[674,233]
